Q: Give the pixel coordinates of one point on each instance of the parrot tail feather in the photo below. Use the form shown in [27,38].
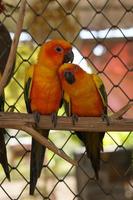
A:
[36,162]
[93,147]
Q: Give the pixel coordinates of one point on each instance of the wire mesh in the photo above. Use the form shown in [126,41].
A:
[100,31]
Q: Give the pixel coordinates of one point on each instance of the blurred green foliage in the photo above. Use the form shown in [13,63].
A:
[26,55]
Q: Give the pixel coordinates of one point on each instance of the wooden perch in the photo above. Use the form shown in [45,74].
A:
[122,111]
[23,121]
[6,121]
[12,54]
[36,135]
[20,120]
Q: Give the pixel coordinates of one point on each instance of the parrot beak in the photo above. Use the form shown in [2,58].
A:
[68,57]
[69,77]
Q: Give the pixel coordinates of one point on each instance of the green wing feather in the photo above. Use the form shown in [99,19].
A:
[67,104]
[27,87]
[101,89]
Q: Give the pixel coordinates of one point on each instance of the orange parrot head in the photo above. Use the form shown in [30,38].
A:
[69,73]
[54,53]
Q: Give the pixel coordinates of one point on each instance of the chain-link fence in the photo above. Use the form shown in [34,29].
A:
[102,36]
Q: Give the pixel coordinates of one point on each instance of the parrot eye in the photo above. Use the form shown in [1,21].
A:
[58,49]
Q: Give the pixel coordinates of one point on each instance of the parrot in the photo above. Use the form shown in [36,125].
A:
[5,45]
[43,94]
[85,96]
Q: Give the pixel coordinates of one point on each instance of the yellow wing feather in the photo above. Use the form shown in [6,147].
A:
[67,103]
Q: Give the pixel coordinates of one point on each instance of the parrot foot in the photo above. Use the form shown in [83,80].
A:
[74,118]
[54,118]
[36,118]
[105,118]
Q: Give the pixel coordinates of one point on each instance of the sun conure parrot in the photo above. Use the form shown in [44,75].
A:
[85,96]
[5,45]
[43,94]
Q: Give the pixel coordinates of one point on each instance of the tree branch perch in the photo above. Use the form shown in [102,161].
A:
[12,54]
[91,124]
[24,121]
[36,135]
[122,111]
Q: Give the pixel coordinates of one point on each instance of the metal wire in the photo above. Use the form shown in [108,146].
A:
[66,22]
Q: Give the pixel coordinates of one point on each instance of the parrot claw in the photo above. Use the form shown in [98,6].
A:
[105,118]
[74,118]
[36,118]
[11,108]
[54,118]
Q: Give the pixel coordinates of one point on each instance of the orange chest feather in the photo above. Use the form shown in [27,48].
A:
[85,99]
[45,93]
[87,107]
